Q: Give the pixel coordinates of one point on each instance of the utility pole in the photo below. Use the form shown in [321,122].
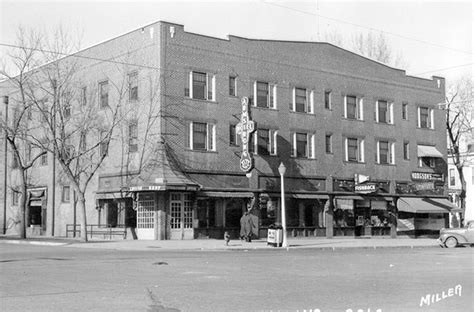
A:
[53,120]
[5,167]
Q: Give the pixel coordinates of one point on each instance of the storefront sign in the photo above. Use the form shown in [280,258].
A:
[244,128]
[365,188]
[426,176]
[424,186]
[145,188]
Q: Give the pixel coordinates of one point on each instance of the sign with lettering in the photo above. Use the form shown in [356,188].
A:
[426,176]
[245,128]
[365,188]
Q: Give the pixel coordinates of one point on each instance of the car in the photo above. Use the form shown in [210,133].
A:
[457,236]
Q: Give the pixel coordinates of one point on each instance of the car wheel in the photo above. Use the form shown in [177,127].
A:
[451,242]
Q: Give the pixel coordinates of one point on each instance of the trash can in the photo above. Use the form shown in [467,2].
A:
[275,235]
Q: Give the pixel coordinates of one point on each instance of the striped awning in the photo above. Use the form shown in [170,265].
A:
[426,205]
[429,151]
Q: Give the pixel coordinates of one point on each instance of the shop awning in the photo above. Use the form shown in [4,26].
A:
[429,151]
[309,196]
[426,205]
[226,194]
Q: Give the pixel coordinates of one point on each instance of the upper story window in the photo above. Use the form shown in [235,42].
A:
[265,94]
[104,94]
[452,177]
[385,153]
[200,86]
[234,138]
[353,107]
[405,111]
[66,194]
[406,150]
[133,136]
[44,159]
[303,101]
[354,149]
[202,136]
[384,112]
[15,197]
[425,118]
[303,145]
[133,86]
[327,99]
[427,162]
[232,86]
[104,143]
[266,142]
[328,143]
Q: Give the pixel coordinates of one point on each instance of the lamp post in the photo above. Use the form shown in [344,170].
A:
[282,170]
[5,167]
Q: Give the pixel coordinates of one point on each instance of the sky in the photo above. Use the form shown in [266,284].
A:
[434,38]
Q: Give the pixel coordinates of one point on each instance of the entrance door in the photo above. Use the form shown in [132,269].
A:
[181,212]
[146,219]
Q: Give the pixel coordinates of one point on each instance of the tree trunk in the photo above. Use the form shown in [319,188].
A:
[23,203]
[81,201]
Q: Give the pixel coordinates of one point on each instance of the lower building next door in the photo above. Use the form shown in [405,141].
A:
[146,219]
[181,213]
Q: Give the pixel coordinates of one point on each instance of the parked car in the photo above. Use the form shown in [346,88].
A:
[458,236]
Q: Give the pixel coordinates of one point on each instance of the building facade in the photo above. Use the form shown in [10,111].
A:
[364,145]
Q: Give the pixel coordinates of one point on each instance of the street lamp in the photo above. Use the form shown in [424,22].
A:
[282,170]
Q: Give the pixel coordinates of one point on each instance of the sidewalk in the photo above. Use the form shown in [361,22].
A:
[213,244]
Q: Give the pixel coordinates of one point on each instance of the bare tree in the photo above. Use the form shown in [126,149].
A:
[459,123]
[20,131]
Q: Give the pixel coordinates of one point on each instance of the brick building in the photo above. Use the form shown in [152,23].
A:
[363,143]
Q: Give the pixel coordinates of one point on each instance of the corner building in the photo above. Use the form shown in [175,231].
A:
[364,145]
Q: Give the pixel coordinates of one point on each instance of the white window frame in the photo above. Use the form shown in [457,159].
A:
[309,104]
[359,107]
[310,152]
[272,95]
[360,149]
[391,153]
[210,136]
[430,121]
[329,92]
[407,149]
[272,136]
[210,79]
[389,112]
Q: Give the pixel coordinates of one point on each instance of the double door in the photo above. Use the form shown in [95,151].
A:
[181,216]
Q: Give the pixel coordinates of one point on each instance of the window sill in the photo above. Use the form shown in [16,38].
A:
[420,128]
[201,101]
[389,165]
[385,124]
[355,162]
[350,119]
[201,151]
[302,113]
[264,108]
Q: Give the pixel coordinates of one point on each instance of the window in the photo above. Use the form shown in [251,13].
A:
[266,141]
[303,145]
[328,143]
[66,194]
[327,99]
[104,94]
[452,177]
[302,100]
[383,112]
[44,159]
[427,162]
[133,136]
[406,150]
[354,148]
[353,107]
[232,86]
[425,118]
[28,151]
[202,136]
[15,162]
[67,110]
[265,94]
[405,111]
[133,86]
[385,152]
[233,136]
[200,86]
[104,143]
[15,198]
[83,94]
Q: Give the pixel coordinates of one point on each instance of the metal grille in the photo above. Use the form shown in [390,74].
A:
[145,214]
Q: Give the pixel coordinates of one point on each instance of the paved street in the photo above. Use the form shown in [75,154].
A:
[59,278]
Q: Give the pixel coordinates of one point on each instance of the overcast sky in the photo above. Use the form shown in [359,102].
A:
[434,38]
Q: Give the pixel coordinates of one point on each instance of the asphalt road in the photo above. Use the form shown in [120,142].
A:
[40,278]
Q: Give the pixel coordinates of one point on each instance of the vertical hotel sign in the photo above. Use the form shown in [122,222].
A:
[244,128]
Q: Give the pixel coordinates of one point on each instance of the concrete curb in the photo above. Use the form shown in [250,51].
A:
[26,242]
